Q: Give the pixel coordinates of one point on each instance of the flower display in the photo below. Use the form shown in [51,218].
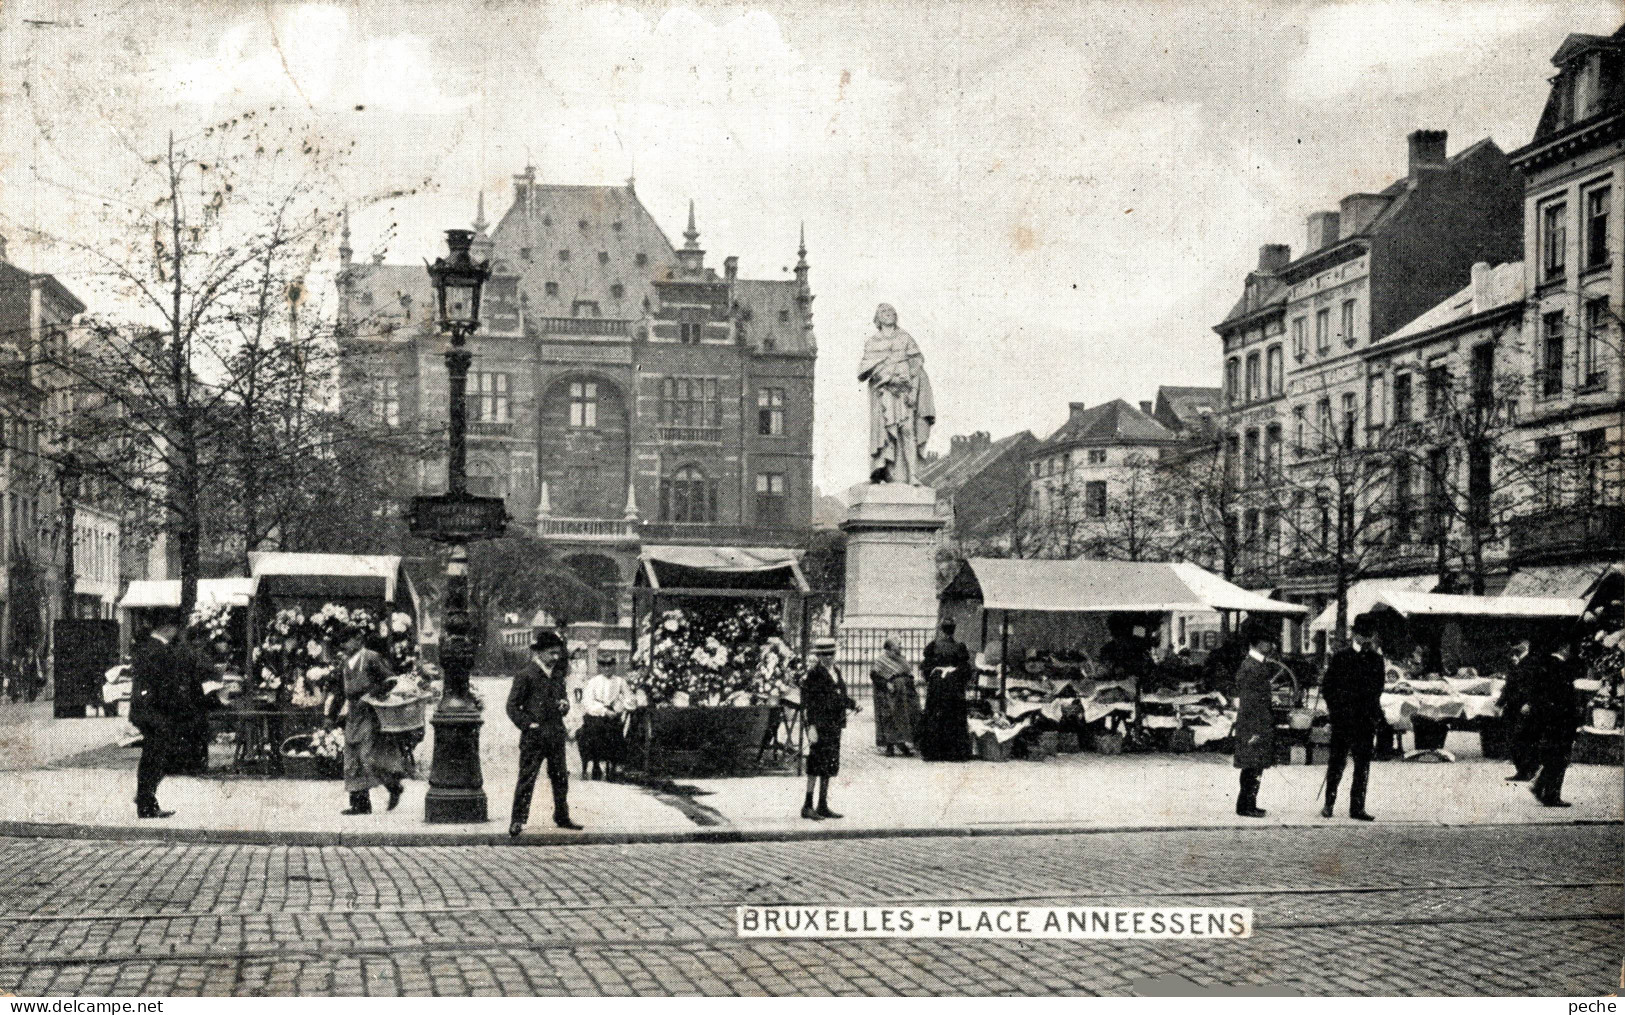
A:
[714,652]
[212,619]
[297,661]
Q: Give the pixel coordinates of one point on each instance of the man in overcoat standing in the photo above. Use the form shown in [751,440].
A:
[1254,731]
[537,703]
[1353,694]
[825,701]
[166,702]
[1523,744]
[1554,714]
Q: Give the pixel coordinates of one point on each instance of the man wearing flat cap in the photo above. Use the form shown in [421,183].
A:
[537,702]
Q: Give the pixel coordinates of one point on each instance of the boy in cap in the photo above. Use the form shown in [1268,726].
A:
[537,702]
[825,703]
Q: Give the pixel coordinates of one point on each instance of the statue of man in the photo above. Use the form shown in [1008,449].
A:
[901,409]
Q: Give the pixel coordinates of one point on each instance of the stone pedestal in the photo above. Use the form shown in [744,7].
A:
[891,558]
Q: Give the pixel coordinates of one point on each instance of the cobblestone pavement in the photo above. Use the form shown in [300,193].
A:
[1507,910]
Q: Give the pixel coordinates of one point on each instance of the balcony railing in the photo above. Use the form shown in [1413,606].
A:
[1588,528]
[581,326]
[691,434]
[604,530]
[722,534]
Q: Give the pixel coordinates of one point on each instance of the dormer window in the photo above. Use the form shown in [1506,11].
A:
[642,259]
[615,226]
[547,220]
[524,253]
[784,317]
[551,288]
[584,308]
[617,290]
[603,257]
[1587,86]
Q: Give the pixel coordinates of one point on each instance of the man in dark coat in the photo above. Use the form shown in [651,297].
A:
[1254,731]
[944,732]
[1522,738]
[1353,694]
[166,702]
[1554,712]
[537,703]
[825,703]
[371,756]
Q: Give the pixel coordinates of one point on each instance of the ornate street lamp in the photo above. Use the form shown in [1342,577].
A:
[68,474]
[456,787]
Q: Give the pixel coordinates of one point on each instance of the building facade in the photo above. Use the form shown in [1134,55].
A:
[1574,412]
[981,485]
[1297,381]
[622,391]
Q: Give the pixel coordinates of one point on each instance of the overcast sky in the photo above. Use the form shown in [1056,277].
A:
[1060,199]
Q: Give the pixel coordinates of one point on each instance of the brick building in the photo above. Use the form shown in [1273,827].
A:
[622,393]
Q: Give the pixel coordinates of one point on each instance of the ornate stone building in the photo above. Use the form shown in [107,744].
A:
[622,393]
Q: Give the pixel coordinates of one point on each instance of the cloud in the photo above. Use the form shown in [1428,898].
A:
[311,55]
[1402,46]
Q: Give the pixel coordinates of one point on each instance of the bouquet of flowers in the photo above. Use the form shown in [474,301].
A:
[213,620]
[709,653]
[327,743]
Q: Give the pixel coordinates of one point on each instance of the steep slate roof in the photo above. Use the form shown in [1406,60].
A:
[604,229]
[774,313]
[1271,290]
[947,473]
[1114,422]
[1185,405]
[1504,288]
[376,292]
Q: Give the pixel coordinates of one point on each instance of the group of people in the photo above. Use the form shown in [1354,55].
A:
[940,732]
[1538,703]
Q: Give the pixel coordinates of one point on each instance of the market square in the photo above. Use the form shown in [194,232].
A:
[399,602]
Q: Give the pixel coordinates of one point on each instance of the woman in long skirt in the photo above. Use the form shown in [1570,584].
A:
[897,707]
[603,703]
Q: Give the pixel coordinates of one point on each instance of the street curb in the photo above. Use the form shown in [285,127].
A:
[130,833]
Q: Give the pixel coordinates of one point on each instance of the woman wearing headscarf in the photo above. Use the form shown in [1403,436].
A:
[897,707]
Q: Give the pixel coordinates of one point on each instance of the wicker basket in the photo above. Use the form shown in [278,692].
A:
[991,748]
[307,766]
[1108,743]
[401,718]
[1300,718]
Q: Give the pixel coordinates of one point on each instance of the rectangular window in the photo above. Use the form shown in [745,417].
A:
[1554,239]
[1254,387]
[688,496]
[1551,358]
[1300,341]
[1272,450]
[1097,456]
[1548,455]
[1323,422]
[1094,498]
[1401,528]
[770,412]
[1274,374]
[386,401]
[770,498]
[1350,417]
[1375,397]
[1484,375]
[1348,322]
[1438,389]
[1478,487]
[1249,457]
[1232,380]
[1437,492]
[1402,398]
[1232,458]
[1300,439]
[689,401]
[488,397]
[1592,374]
[1323,330]
[584,405]
[688,332]
[1597,201]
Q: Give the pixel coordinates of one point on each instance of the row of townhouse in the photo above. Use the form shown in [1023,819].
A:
[1431,394]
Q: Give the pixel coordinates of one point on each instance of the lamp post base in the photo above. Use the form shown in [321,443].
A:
[456,788]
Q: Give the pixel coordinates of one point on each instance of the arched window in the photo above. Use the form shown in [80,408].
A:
[687,495]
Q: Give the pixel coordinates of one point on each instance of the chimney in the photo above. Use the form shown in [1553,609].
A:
[1322,229]
[1074,410]
[1483,277]
[1426,150]
[730,268]
[981,439]
[1146,407]
[1358,211]
[1272,257]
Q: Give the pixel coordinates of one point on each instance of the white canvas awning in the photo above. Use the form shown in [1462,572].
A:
[1101,586]
[146,594]
[1434,604]
[724,560]
[342,565]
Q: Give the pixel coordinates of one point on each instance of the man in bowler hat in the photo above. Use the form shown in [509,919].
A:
[166,703]
[537,703]
[1254,730]
[1353,694]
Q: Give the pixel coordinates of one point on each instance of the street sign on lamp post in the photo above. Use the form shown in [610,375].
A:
[456,786]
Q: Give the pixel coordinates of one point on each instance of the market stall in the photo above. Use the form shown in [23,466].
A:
[717,662]
[1083,632]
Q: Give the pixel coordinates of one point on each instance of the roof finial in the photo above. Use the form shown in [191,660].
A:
[632,175]
[479,213]
[691,234]
[345,251]
[801,251]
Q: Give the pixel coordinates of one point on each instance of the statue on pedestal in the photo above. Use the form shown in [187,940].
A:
[901,409]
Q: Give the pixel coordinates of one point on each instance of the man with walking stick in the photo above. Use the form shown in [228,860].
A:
[1353,693]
